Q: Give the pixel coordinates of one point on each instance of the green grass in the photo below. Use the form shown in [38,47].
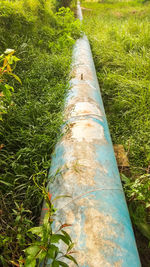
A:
[119,34]
[120,41]
[43,41]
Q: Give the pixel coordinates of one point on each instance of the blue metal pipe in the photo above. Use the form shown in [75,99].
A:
[85,168]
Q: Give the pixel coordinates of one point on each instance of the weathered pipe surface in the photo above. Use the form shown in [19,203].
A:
[85,168]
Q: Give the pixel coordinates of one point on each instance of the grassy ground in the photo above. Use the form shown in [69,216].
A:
[43,41]
[119,33]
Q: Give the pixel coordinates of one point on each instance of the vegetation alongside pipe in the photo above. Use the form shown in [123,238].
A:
[45,249]
[8,61]
[43,41]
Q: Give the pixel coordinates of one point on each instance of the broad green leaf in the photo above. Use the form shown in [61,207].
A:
[9,87]
[46,218]
[16,77]
[6,92]
[32,250]
[66,235]
[41,256]
[36,230]
[71,258]
[15,59]
[52,251]
[56,237]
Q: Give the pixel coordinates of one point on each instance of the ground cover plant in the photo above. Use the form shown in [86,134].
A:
[119,33]
[44,248]
[42,39]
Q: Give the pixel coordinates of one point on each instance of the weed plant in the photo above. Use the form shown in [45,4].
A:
[43,42]
[119,34]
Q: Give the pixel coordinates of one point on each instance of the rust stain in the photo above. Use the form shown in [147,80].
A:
[85,111]
[89,125]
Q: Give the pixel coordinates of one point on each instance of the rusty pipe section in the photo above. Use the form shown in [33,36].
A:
[85,168]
